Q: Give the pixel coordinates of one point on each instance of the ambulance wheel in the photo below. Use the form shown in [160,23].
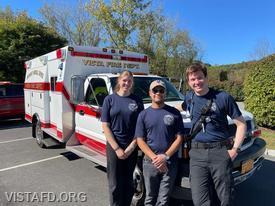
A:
[139,195]
[39,136]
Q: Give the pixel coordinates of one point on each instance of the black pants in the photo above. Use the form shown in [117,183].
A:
[120,177]
[211,169]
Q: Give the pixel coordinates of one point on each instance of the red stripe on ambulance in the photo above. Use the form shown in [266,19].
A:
[91,143]
[44,86]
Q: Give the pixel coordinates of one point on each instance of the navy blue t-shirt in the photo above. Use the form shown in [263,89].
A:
[216,126]
[159,127]
[122,113]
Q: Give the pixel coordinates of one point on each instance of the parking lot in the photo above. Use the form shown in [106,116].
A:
[30,175]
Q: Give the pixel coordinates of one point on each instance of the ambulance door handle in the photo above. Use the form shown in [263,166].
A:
[81,112]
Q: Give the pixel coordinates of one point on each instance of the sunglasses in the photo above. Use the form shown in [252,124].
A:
[158,90]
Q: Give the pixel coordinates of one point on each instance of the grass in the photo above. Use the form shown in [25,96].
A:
[269,136]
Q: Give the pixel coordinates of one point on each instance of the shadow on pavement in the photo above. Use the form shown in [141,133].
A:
[13,123]
[259,189]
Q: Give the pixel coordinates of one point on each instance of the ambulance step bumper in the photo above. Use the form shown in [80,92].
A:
[50,142]
[85,152]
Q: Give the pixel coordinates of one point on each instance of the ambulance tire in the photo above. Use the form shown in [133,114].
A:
[139,195]
[39,136]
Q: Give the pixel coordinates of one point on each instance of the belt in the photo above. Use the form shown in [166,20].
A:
[204,145]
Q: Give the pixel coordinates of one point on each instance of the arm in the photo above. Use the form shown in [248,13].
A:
[131,147]
[160,159]
[239,136]
[179,107]
[149,153]
[145,148]
[174,147]
[111,140]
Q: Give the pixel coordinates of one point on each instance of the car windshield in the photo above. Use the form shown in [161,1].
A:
[141,88]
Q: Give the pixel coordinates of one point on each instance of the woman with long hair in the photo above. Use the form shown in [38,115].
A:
[119,115]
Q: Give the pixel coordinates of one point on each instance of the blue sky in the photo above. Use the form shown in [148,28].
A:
[228,31]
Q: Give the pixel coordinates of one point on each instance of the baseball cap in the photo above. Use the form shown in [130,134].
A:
[156,83]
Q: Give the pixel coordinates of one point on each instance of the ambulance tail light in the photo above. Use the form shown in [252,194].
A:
[256,133]
[25,66]
[58,53]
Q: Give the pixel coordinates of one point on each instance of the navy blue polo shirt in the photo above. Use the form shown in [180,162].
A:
[159,127]
[122,113]
[216,127]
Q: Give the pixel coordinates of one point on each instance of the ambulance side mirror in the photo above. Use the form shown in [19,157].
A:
[77,89]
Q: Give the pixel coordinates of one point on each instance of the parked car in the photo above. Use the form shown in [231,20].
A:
[11,100]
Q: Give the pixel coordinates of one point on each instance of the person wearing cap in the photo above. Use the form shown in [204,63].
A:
[159,134]
[212,149]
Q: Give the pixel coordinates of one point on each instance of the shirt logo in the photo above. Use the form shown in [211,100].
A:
[133,106]
[213,107]
[168,119]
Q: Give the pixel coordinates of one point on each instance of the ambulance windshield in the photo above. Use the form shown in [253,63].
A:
[141,88]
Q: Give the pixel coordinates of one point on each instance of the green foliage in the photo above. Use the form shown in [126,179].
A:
[132,25]
[233,88]
[76,22]
[23,38]
[260,91]
[229,78]
[120,19]
[223,76]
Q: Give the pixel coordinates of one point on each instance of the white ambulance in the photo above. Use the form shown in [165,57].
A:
[64,91]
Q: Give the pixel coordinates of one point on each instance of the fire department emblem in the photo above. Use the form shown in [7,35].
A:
[168,119]
[213,107]
[133,106]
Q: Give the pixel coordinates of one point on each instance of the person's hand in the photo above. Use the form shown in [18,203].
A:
[232,153]
[163,168]
[120,154]
[159,160]
[179,107]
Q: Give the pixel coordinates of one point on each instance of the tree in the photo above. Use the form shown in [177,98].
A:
[262,49]
[130,25]
[23,38]
[148,29]
[120,19]
[259,89]
[76,22]
[183,52]
[170,50]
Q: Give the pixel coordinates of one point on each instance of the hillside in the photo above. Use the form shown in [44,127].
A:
[230,78]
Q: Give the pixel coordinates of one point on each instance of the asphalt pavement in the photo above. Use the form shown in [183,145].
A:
[31,176]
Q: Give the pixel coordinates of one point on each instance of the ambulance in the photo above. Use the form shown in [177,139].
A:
[64,92]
